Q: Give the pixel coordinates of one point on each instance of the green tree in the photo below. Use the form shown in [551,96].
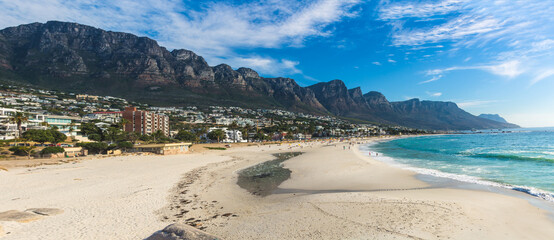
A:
[157,136]
[187,136]
[113,134]
[289,136]
[261,137]
[234,125]
[48,150]
[201,131]
[95,137]
[57,136]
[121,124]
[19,118]
[125,145]
[145,137]
[94,147]
[89,128]
[23,150]
[71,127]
[217,134]
[40,136]
[132,137]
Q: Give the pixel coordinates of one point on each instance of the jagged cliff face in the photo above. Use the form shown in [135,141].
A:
[74,57]
[338,99]
[374,106]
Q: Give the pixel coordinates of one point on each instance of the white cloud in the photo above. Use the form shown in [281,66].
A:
[409,9]
[434,94]
[376,63]
[213,30]
[542,75]
[453,30]
[512,32]
[434,78]
[475,103]
[267,65]
[509,69]
[391,61]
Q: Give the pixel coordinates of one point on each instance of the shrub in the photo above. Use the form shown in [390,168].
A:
[22,150]
[94,147]
[216,148]
[48,150]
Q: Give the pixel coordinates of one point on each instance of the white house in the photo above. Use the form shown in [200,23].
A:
[231,136]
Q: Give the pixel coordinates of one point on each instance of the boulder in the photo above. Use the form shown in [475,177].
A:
[17,216]
[180,231]
[45,211]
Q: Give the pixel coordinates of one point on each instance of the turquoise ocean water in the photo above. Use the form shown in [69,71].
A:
[522,160]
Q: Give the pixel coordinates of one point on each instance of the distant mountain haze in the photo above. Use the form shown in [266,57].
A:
[84,59]
[494,117]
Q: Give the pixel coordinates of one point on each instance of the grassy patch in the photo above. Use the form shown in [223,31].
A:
[216,148]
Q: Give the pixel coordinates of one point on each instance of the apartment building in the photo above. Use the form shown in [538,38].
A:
[145,122]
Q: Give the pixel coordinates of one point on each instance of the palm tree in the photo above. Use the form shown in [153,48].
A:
[44,124]
[19,118]
[71,127]
[123,122]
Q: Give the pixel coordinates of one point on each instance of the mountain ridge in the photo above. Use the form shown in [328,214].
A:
[494,117]
[80,58]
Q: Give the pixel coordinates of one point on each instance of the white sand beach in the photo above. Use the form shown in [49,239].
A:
[332,194]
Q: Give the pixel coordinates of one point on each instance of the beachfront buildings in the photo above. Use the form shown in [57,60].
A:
[231,135]
[109,117]
[67,125]
[163,148]
[145,122]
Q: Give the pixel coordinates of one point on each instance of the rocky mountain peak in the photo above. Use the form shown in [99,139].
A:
[356,92]
[248,73]
[84,59]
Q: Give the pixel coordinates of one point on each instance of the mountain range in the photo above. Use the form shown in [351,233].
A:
[83,59]
[494,117]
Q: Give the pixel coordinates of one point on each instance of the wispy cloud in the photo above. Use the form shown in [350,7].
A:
[507,69]
[475,103]
[517,33]
[434,78]
[376,63]
[434,94]
[453,30]
[420,10]
[542,75]
[391,61]
[212,29]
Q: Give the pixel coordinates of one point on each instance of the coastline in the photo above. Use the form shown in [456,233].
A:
[332,193]
[459,179]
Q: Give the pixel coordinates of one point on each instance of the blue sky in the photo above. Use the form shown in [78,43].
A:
[486,56]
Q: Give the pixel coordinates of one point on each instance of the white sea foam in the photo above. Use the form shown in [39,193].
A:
[548,196]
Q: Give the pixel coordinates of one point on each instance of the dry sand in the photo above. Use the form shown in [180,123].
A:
[332,194]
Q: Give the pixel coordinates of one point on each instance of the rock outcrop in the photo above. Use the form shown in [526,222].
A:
[180,231]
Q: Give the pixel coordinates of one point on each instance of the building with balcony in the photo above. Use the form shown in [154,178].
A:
[145,122]
[67,125]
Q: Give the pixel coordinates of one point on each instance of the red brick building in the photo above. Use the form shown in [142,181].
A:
[145,122]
